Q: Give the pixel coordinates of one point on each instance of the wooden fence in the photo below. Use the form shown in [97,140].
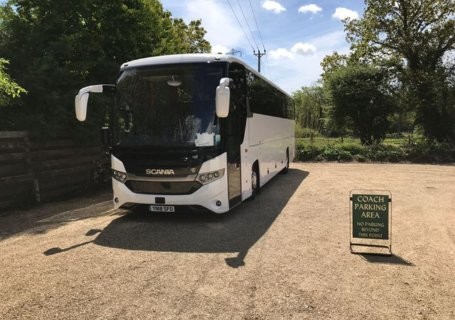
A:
[34,172]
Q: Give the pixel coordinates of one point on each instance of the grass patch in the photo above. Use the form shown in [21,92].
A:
[391,150]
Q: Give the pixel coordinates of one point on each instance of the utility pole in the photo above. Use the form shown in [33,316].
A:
[259,54]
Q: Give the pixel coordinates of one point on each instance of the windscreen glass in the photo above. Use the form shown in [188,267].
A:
[168,106]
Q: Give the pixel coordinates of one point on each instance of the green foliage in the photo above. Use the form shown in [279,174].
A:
[420,31]
[8,88]
[430,151]
[309,153]
[434,104]
[399,150]
[360,101]
[321,149]
[311,107]
[410,39]
[55,47]
[334,154]
[305,132]
[182,38]
[332,63]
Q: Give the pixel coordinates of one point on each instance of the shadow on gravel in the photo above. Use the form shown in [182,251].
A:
[393,259]
[51,215]
[235,232]
[56,250]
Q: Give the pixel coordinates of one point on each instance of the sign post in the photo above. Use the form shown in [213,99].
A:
[371,217]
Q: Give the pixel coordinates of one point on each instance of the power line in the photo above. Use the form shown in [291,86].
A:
[241,27]
[259,54]
[257,26]
[248,25]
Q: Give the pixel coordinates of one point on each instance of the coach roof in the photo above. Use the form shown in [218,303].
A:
[180,58]
[191,58]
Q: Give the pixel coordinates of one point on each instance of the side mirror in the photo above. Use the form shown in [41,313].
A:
[223,96]
[81,99]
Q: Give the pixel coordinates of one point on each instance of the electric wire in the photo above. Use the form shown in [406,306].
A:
[241,26]
[257,26]
[260,38]
[248,25]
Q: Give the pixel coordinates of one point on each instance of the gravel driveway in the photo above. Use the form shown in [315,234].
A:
[284,255]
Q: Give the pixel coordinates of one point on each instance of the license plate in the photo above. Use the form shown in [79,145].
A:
[154,208]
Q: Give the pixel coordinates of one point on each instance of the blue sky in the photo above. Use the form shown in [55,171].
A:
[297,34]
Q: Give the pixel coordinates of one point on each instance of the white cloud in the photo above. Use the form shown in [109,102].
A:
[290,70]
[344,13]
[300,48]
[280,53]
[312,8]
[303,49]
[274,6]
[222,29]
[219,49]
[303,70]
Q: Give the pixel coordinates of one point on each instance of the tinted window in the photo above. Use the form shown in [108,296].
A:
[268,100]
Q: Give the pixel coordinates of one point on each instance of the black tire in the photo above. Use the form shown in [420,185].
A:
[255,182]
[286,168]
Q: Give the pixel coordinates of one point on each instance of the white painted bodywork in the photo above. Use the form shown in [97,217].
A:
[206,196]
[81,100]
[266,140]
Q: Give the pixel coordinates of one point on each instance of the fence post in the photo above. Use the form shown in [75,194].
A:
[30,169]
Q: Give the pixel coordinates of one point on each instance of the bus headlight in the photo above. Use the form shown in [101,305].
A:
[208,177]
[119,176]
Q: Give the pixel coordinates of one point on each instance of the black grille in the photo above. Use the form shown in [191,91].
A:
[168,188]
[183,162]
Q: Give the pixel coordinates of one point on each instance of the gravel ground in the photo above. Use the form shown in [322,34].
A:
[284,255]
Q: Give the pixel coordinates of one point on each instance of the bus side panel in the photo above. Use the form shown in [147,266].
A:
[266,138]
[247,157]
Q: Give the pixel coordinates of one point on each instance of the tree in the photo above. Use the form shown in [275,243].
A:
[56,47]
[311,108]
[333,62]
[8,88]
[414,36]
[361,101]
[182,38]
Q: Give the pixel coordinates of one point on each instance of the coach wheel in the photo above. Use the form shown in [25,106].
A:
[286,168]
[254,181]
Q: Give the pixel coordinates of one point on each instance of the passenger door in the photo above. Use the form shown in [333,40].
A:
[235,131]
